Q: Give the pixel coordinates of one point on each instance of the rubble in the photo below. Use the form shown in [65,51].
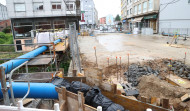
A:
[136,71]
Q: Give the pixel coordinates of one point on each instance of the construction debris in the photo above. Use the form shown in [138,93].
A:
[136,71]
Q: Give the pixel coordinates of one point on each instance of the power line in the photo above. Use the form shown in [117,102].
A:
[172,2]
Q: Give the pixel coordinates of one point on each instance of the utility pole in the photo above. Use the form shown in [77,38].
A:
[4,88]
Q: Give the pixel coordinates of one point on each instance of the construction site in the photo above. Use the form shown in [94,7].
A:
[104,72]
[57,55]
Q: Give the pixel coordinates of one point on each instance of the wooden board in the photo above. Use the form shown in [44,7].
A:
[72,102]
[34,77]
[186,97]
[175,80]
[62,46]
[41,60]
[70,79]
[130,104]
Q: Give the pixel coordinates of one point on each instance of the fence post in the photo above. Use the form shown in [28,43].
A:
[4,87]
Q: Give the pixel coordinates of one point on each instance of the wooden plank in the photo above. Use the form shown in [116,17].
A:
[40,60]
[186,97]
[89,108]
[70,79]
[154,100]
[165,103]
[130,104]
[62,94]
[61,47]
[144,99]
[81,101]
[175,80]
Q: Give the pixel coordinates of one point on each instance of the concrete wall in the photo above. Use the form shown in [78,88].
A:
[3,12]
[175,15]
[46,12]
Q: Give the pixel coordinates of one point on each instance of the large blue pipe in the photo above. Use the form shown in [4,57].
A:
[18,61]
[37,90]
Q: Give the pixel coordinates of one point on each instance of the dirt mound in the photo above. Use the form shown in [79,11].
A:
[152,86]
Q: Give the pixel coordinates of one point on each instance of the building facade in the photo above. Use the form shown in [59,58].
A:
[3,12]
[174,17]
[4,22]
[28,15]
[89,14]
[103,21]
[141,14]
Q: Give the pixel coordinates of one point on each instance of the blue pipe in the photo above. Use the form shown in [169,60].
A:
[10,65]
[37,90]
[57,41]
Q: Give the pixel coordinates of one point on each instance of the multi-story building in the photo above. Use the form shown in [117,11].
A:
[96,16]
[3,12]
[28,15]
[4,20]
[102,20]
[174,17]
[124,13]
[142,13]
[89,14]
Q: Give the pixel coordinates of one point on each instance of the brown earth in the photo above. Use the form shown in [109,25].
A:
[152,86]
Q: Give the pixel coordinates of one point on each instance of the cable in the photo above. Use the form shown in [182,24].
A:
[172,2]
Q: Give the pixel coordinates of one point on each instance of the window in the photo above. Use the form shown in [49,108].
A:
[131,11]
[22,30]
[135,10]
[56,5]
[139,10]
[188,1]
[38,6]
[150,5]
[70,6]
[59,24]
[28,42]
[144,7]
[43,25]
[20,7]
[127,12]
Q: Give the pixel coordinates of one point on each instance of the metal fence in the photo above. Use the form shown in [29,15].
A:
[74,47]
[172,31]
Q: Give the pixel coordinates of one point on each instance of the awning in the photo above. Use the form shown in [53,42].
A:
[139,19]
[151,17]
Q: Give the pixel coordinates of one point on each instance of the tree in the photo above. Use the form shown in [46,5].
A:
[117,18]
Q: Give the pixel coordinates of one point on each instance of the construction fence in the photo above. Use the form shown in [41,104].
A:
[172,31]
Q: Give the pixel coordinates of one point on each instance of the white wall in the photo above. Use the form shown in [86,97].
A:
[176,15]
[31,13]
[3,12]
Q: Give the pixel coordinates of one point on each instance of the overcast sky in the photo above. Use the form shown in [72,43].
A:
[104,7]
[3,2]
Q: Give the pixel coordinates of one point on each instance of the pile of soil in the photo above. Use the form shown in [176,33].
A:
[152,86]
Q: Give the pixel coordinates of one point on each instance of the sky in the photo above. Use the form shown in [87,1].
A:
[104,7]
[3,2]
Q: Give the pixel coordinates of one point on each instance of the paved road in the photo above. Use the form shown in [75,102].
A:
[140,48]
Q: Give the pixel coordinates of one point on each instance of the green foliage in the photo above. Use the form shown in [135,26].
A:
[7,30]
[117,18]
[6,38]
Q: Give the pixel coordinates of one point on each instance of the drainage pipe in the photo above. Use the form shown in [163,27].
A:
[37,90]
[10,65]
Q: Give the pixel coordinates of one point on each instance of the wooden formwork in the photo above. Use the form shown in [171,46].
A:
[75,102]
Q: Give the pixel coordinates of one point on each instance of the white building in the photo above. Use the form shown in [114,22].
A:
[27,15]
[174,16]
[89,13]
[3,12]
